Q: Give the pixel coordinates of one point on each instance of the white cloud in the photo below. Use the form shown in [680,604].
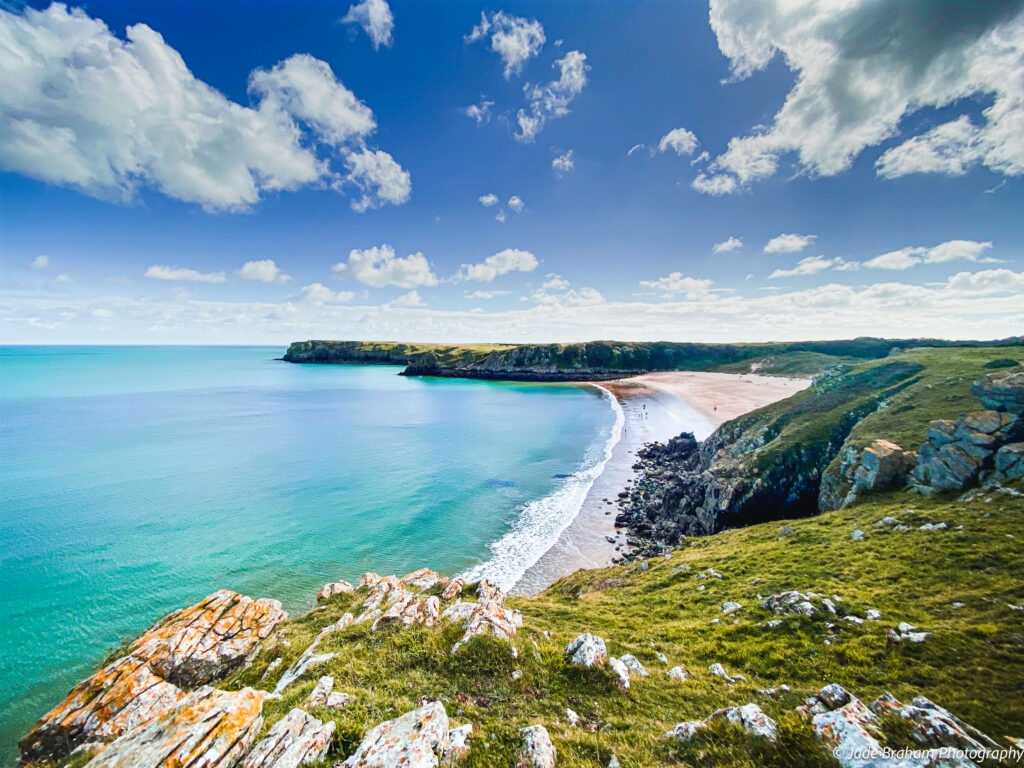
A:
[480,112]
[501,263]
[635,148]
[719,184]
[318,293]
[501,216]
[812,265]
[516,203]
[677,283]
[264,270]
[547,102]
[952,250]
[986,282]
[379,267]
[513,38]
[159,272]
[789,243]
[41,262]
[563,163]
[58,282]
[410,299]
[727,246]
[862,67]
[374,16]
[485,295]
[680,140]
[108,117]
[488,200]
[381,180]
[556,293]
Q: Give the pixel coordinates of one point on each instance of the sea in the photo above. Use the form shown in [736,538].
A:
[137,480]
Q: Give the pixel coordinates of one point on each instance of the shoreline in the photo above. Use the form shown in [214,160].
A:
[656,407]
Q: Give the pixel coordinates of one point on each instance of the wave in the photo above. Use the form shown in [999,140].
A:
[541,522]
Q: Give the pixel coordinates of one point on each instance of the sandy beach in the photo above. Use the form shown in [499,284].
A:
[657,406]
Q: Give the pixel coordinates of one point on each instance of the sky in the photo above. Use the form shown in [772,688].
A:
[746,170]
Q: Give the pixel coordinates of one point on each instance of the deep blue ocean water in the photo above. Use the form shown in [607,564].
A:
[136,480]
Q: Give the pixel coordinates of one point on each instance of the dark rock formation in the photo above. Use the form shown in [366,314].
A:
[1002,391]
[1010,463]
[880,466]
[957,452]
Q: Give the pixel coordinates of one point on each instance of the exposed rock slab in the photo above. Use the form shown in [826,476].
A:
[538,751]
[334,588]
[417,739]
[750,717]
[296,739]
[1002,391]
[587,650]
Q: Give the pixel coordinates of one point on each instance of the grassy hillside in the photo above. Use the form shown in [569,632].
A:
[973,662]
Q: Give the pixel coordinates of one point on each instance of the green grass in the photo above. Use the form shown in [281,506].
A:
[972,664]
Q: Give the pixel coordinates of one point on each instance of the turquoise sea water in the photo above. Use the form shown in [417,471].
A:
[136,480]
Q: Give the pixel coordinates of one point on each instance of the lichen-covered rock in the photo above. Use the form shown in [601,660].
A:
[431,611]
[296,739]
[632,663]
[417,739]
[621,673]
[118,698]
[587,650]
[1002,390]
[209,728]
[957,452]
[934,726]
[487,591]
[881,465]
[789,603]
[318,696]
[458,743]
[453,590]
[750,717]
[1010,463]
[310,657]
[334,588]
[490,618]
[421,580]
[209,640]
[538,750]
[679,673]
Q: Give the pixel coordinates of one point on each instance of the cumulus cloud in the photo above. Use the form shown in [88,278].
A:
[789,243]
[862,68]
[379,267]
[513,38]
[680,140]
[485,295]
[812,265]
[374,16]
[85,109]
[380,179]
[41,262]
[727,246]
[480,112]
[677,283]
[952,250]
[318,293]
[264,270]
[501,263]
[555,291]
[547,102]
[563,163]
[516,204]
[160,272]
[715,185]
[488,200]
[410,299]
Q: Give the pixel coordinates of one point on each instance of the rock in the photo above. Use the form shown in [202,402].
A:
[310,657]
[490,618]
[369,580]
[621,673]
[933,527]
[1009,463]
[417,739]
[423,579]
[773,623]
[718,670]
[209,728]
[957,452]
[319,694]
[906,632]
[614,762]
[271,667]
[750,717]
[572,717]
[1002,390]
[887,521]
[872,614]
[459,611]
[730,607]
[294,740]
[586,650]
[517,674]
[453,590]
[633,665]
[857,535]
[787,531]
[789,603]
[679,673]
[334,588]
[661,657]
[458,744]
[386,591]
[934,726]
[118,698]
[339,700]
[901,528]
[488,591]
[538,750]
[431,611]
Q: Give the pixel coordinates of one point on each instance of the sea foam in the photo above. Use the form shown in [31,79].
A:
[541,522]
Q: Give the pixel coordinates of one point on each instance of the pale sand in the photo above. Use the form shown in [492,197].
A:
[657,406]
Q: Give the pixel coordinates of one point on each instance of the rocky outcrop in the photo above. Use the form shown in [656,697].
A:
[188,648]
[957,452]
[417,739]
[1009,463]
[749,717]
[209,728]
[296,739]
[587,650]
[334,588]
[880,466]
[1002,390]
[537,750]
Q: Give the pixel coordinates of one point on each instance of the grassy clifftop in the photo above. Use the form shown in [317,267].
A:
[605,359]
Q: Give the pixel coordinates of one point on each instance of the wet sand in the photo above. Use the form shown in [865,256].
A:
[656,406]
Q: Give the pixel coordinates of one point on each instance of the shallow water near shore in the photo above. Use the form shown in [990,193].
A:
[136,480]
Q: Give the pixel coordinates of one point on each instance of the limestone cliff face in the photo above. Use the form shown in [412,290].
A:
[345,352]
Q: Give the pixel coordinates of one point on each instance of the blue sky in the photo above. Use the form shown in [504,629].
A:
[868,161]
